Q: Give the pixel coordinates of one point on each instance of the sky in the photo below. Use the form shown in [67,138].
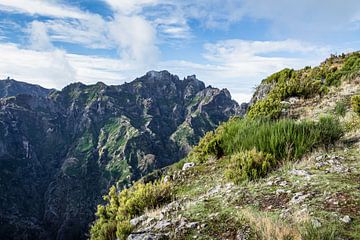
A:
[231,44]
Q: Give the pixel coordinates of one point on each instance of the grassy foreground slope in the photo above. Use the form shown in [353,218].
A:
[289,170]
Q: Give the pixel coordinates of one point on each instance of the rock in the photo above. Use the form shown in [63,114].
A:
[316,223]
[188,165]
[240,235]
[283,183]
[192,225]
[318,158]
[136,221]
[280,191]
[162,225]
[168,178]
[299,198]
[146,236]
[346,219]
[293,100]
[299,172]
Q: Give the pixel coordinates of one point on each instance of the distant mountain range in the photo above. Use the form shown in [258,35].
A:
[61,150]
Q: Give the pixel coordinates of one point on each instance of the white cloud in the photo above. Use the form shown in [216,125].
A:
[41,7]
[135,38]
[39,38]
[91,32]
[50,69]
[130,7]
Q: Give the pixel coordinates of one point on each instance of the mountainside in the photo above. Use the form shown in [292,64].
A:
[289,169]
[10,87]
[60,153]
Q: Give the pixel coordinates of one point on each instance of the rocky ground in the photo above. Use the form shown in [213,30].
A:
[319,194]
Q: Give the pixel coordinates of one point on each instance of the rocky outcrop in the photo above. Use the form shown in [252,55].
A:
[60,152]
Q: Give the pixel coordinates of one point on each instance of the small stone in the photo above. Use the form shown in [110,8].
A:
[302,173]
[283,183]
[318,158]
[346,219]
[188,165]
[316,223]
[299,198]
[280,191]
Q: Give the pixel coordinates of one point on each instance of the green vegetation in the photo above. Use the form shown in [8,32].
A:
[340,108]
[355,104]
[305,83]
[257,146]
[249,165]
[113,219]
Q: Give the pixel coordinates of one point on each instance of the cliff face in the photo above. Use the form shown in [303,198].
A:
[60,152]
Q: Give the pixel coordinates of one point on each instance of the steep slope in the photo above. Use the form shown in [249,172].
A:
[296,177]
[60,153]
[10,87]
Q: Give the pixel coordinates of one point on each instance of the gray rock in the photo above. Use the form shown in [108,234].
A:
[346,219]
[136,221]
[299,198]
[299,172]
[188,165]
[162,225]
[146,236]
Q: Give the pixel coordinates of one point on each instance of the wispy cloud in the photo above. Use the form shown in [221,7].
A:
[57,68]
[43,8]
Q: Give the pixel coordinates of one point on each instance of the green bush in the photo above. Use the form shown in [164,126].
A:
[267,108]
[355,104]
[340,108]
[113,219]
[209,145]
[249,165]
[329,130]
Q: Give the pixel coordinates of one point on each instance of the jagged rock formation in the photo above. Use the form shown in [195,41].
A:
[10,87]
[60,152]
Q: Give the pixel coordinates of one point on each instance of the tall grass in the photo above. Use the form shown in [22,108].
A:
[284,139]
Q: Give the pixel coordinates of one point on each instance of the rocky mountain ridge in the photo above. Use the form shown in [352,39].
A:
[60,151]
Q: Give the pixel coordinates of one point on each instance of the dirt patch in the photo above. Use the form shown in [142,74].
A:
[278,201]
[343,203]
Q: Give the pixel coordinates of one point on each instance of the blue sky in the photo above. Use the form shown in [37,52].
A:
[227,44]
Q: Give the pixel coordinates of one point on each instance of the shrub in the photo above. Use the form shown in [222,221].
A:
[340,108]
[249,165]
[267,108]
[329,130]
[209,145]
[113,219]
[355,104]
[284,139]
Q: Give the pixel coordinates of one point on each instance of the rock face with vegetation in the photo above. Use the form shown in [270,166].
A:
[289,169]
[60,151]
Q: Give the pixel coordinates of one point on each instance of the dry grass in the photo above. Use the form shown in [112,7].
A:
[269,228]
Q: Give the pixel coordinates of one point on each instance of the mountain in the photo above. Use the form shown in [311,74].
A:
[10,87]
[288,169]
[60,152]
